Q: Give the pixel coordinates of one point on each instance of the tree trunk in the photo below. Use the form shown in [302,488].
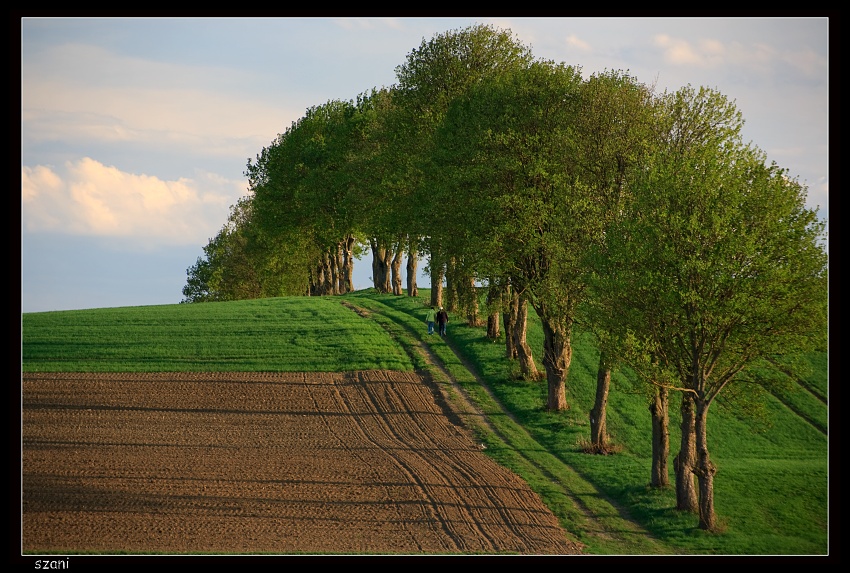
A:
[333,263]
[311,282]
[705,469]
[412,257]
[377,260]
[396,270]
[437,275]
[381,262]
[340,266]
[470,302]
[494,303]
[685,462]
[339,288]
[450,298]
[660,438]
[598,414]
[327,268]
[509,318]
[348,264]
[527,366]
[319,280]
[557,354]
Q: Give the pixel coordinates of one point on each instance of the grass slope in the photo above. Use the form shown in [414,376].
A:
[771,491]
[296,334]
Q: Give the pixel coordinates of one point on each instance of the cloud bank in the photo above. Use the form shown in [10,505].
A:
[87,198]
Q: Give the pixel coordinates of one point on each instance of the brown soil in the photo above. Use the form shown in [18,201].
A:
[234,463]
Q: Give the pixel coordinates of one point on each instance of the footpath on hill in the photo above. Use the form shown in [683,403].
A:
[579,502]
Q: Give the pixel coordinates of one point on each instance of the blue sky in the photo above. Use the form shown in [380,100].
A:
[135,132]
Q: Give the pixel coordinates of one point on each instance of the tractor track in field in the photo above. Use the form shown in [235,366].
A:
[264,463]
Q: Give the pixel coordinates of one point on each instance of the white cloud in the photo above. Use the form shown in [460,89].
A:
[679,52]
[751,58]
[92,199]
[575,42]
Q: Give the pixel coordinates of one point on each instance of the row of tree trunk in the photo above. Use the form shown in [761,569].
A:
[507,303]
[334,272]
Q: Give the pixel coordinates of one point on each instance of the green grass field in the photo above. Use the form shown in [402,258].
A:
[267,335]
[771,490]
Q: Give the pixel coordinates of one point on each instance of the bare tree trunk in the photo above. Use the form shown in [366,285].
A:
[377,260]
[387,286]
[470,301]
[437,274]
[509,319]
[319,280]
[557,355]
[381,263]
[333,263]
[659,410]
[685,462]
[705,469]
[598,414]
[450,297]
[327,268]
[396,270]
[494,304]
[527,366]
[348,264]
[311,281]
[412,260]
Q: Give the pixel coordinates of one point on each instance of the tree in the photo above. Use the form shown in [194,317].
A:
[659,412]
[504,186]
[240,262]
[516,328]
[612,136]
[302,187]
[432,76]
[379,192]
[599,413]
[530,167]
[197,287]
[716,264]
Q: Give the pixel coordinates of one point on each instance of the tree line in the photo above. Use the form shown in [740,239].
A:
[641,216]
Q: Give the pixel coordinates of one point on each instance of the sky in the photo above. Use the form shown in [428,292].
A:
[136,132]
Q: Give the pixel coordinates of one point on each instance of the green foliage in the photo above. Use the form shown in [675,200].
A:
[717,254]
[445,66]
[243,262]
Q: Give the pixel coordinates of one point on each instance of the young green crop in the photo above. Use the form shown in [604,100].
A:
[295,334]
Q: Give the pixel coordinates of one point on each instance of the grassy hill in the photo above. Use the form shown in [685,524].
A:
[771,490]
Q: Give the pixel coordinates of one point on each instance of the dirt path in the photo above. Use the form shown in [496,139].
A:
[617,530]
[363,462]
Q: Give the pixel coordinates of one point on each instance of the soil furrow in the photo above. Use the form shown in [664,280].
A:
[239,463]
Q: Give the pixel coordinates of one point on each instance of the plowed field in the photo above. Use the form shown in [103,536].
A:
[348,463]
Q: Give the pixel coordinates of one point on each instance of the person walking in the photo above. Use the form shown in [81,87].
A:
[442,320]
[430,318]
